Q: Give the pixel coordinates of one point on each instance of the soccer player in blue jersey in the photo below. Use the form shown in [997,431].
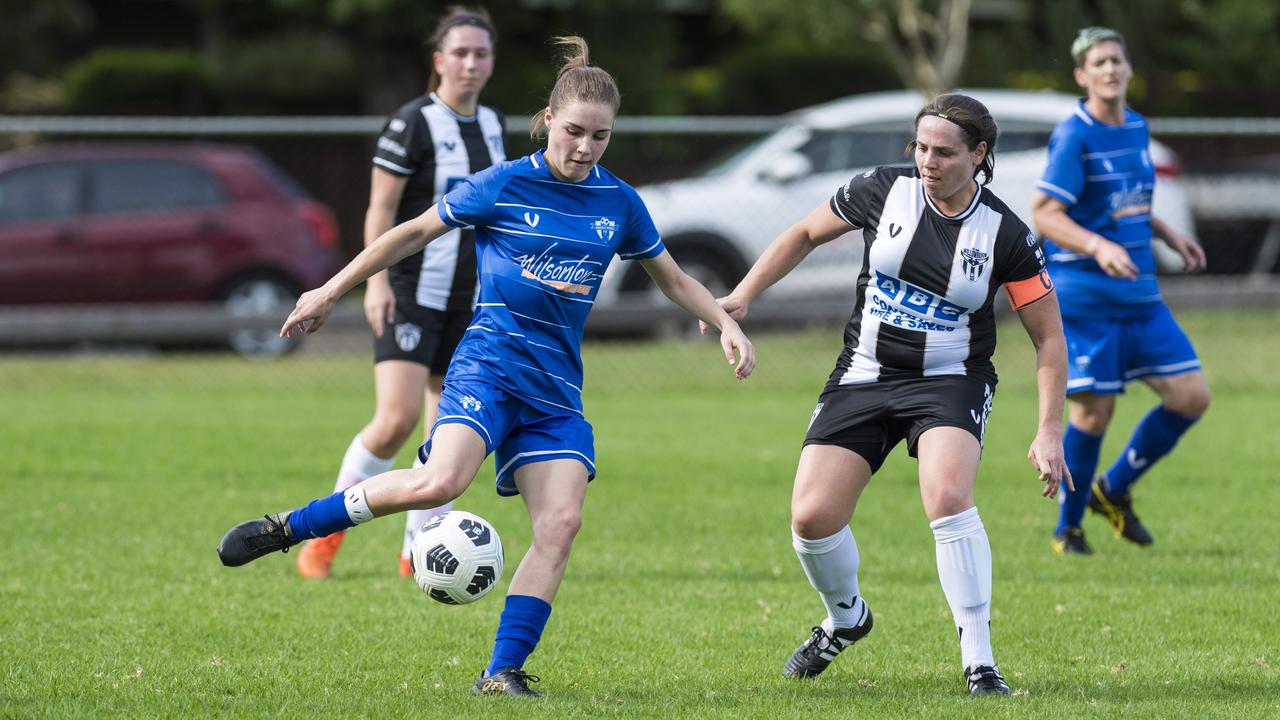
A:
[1093,206]
[547,226]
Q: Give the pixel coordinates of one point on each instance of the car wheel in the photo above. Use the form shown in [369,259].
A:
[258,296]
[715,273]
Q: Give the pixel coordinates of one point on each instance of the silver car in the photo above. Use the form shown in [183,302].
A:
[718,223]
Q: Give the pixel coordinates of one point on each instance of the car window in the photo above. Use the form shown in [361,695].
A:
[832,150]
[134,185]
[39,192]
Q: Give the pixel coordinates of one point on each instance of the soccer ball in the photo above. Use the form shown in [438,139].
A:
[456,557]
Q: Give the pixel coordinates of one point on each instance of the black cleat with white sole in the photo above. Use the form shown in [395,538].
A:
[985,680]
[816,653]
[252,539]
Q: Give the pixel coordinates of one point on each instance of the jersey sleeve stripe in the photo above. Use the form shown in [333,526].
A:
[1057,192]
[397,169]
[643,254]
[836,207]
[1024,292]
[448,216]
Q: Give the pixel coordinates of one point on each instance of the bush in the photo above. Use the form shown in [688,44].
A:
[137,81]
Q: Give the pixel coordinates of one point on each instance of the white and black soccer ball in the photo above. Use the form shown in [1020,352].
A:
[456,557]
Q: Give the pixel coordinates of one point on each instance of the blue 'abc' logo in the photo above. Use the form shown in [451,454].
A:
[918,299]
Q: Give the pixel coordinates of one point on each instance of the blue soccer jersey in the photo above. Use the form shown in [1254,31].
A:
[1104,175]
[542,246]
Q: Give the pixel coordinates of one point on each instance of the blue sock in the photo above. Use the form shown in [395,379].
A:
[320,517]
[1082,451]
[1152,439]
[519,630]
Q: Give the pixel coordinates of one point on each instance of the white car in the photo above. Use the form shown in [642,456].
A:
[717,224]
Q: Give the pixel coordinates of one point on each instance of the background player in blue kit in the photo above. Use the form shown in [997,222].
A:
[420,307]
[1093,206]
[916,365]
[547,225]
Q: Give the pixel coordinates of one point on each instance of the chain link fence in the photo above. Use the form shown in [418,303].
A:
[1230,175]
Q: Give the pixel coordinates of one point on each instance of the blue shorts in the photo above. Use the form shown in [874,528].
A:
[1103,354]
[517,431]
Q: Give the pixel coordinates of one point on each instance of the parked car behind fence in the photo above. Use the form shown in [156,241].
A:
[718,223]
[106,223]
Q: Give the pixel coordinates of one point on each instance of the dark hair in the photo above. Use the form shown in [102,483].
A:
[457,16]
[975,123]
[1090,36]
[577,81]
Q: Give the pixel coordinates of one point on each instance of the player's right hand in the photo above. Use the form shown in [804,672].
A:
[1114,260]
[379,304]
[309,314]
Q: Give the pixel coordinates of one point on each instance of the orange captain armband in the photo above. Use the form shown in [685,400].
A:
[1024,292]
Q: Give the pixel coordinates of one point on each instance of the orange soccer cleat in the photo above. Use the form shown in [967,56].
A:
[406,567]
[316,556]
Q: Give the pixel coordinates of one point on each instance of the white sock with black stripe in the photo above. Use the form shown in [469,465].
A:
[831,564]
[964,568]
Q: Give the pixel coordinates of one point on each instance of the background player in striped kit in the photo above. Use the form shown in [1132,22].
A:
[1094,207]
[547,226]
[917,365]
[420,307]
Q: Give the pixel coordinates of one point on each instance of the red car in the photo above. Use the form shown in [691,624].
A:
[160,223]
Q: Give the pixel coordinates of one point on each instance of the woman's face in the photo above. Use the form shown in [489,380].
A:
[1106,72]
[464,61]
[577,135]
[945,163]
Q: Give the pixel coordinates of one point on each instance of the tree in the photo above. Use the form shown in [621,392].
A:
[925,48]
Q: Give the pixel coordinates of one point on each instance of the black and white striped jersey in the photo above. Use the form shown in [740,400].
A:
[436,149]
[925,293]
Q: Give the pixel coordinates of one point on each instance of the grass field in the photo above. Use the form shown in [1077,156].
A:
[683,598]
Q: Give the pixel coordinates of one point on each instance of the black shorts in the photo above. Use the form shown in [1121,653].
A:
[422,335]
[870,419]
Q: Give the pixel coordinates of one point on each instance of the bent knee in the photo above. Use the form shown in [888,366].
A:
[1190,404]
[558,528]
[433,488]
[813,521]
[389,430]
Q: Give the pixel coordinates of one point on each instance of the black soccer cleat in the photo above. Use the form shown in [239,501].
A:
[816,653]
[1070,542]
[508,681]
[1117,508]
[986,680]
[252,539]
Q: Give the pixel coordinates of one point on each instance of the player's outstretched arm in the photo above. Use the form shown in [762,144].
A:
[1044,325]
[314,306]
[783,255]
[698,301]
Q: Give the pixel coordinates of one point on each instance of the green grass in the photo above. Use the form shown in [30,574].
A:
[683,597]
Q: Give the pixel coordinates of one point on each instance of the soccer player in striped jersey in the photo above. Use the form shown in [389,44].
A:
[1093,205]
[547,225]
[420,307]
[916,365]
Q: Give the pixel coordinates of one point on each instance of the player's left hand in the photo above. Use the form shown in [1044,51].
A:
[1192,253]
[1049,460]
[734,342]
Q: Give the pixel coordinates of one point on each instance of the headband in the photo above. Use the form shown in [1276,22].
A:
[967,127]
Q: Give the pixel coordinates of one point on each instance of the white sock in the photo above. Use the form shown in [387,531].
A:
[358,465]
[415,519]
[831,564]
[964,568]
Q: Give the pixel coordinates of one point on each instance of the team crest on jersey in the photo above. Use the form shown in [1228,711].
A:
[1031,238]
[975,261]
[396,125]
[605,228]
[471,404]
[407,336]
